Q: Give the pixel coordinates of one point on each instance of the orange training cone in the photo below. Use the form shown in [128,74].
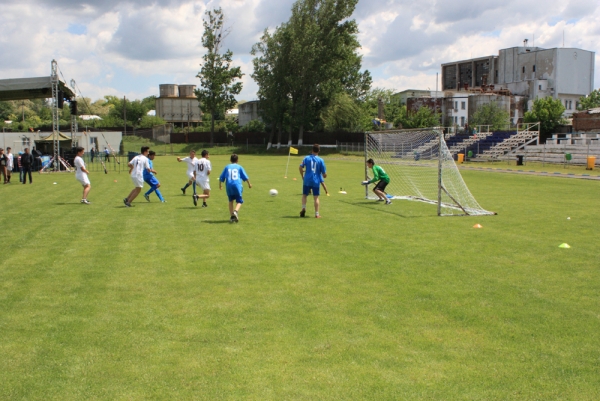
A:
[477,226]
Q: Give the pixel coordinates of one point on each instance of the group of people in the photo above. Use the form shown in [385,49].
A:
[312,169]
[24,165]
[97,153]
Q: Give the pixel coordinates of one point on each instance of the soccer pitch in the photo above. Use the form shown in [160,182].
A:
[171,301]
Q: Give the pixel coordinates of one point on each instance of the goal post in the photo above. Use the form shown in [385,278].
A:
[421,168]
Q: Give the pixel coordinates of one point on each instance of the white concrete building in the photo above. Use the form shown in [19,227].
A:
[562,73]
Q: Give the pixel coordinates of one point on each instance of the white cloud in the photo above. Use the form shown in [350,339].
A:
[130,47]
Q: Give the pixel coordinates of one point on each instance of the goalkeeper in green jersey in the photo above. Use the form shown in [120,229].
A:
[383,180]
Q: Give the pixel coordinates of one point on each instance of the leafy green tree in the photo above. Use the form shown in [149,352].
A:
[590,101]
[422,118]
[217,76]
[490,114]
[548,112]
[307,63]
[7,109]
[151,121]
[271,65]
[342,114]
[254,126]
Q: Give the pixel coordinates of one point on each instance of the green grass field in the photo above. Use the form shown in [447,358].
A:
[371,302]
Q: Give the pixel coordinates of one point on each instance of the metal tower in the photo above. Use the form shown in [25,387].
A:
[55,116]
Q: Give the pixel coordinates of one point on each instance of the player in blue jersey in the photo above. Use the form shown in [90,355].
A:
[312,178]
[151,179]
[234,176]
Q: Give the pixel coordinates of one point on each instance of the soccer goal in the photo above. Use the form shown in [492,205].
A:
[421,168]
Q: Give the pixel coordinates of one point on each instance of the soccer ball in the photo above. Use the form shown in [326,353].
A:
[273,192]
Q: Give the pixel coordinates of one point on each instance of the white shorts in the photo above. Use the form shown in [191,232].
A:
[203,184]
[138,182]
[9,169]
[190,175]
[83,179]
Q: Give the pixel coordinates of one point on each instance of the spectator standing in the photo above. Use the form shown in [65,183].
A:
[27,164]
[3,163]
[10,165]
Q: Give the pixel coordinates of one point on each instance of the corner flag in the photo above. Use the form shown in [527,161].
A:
[293,151]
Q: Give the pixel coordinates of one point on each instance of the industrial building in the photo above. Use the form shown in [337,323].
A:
[531,72]
[247,112]
[178,104]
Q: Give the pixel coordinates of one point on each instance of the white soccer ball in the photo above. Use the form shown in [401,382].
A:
[273,192]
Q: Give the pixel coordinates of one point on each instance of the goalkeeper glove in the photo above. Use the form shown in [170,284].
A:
[365,183]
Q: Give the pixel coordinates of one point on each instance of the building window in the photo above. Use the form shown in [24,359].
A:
[496,73]
[534,68]
[463,105]
[523,69]
[455,105]
[462,121]
[540,86]
[455,120]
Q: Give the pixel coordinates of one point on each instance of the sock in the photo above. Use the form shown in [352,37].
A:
[186,185]
[316,213]
[159,195]
[303,206]
[194,186]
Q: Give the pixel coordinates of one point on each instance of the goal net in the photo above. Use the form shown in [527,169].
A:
[421,168]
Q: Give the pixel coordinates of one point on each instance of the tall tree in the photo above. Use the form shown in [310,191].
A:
[271,64]
[318,59]
[217,76]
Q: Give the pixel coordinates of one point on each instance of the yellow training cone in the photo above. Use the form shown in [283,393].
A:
[565,245]
[477,226]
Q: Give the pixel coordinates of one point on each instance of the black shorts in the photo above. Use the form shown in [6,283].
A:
[381,186]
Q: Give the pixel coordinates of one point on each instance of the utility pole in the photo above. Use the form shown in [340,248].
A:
[124,116]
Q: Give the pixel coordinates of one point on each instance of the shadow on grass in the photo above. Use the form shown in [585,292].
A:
[386,209]
[216,221]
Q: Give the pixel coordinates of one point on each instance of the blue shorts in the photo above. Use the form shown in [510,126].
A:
[152,181]
[235,197]
[315,190]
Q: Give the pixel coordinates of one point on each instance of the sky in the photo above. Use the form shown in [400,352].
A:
[130,47]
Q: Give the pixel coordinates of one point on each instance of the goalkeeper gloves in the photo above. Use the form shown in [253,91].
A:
[365,183]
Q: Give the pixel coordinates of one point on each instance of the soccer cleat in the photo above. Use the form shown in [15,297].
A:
[147,197]
[388,202]
[86,202]
[204,204]
[125,201]
[380,200]
[235,217]
[232,219]
[195,198]
[183,190]
[318,216]
[302,212]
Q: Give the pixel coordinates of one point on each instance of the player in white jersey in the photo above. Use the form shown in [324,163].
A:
[81,173]
[202,171]
[10,165]
[191,165]
[137,165]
